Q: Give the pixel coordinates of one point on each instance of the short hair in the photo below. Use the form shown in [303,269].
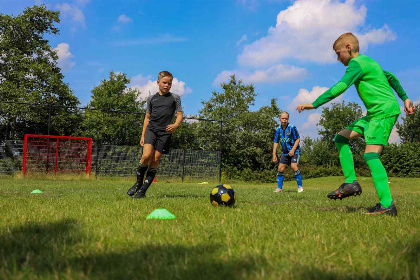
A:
[348,38]
[164,74]
[284,112]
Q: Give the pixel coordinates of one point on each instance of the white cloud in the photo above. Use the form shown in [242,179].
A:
[313,119]
[64,56]
[71,11]
[124,19]
[306,31]
[82,3]
[243,39]
[304,96]
[148,86]
[394,137]
[277,73]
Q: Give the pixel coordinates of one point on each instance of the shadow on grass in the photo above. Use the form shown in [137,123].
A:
[60,250]
[345,209]
[180,196]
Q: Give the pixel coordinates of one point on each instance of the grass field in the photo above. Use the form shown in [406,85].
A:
[90,229]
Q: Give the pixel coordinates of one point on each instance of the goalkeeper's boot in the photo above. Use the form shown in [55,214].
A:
[346,190]
[379,209]
[131,191]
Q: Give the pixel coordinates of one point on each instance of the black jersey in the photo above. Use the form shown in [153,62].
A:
[162,109]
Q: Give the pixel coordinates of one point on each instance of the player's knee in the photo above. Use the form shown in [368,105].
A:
[370,156]
[145,158]
[339,139]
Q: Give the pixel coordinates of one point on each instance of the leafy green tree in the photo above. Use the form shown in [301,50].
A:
[115,115]
[336,119]
[29,73]
[409,130]
[246,135]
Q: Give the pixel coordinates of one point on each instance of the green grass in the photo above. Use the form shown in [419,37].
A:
[90,229]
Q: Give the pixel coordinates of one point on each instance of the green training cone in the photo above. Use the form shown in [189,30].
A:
[36,191]
[162,214]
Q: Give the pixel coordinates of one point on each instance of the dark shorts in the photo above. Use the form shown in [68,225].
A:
[159,140]
[285,159]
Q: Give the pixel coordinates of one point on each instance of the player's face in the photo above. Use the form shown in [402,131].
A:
[284,119]
[165,84]
[343,54]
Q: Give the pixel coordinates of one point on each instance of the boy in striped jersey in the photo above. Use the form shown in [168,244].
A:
[288,137]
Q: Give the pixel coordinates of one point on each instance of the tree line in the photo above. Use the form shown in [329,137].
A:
[29,74]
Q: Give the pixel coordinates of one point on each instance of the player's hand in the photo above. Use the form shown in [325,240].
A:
[291,153]
[408,107]
[302,107]
[171,128]
[142,141]
[274,159]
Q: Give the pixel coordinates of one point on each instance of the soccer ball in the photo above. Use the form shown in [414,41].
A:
[222,195]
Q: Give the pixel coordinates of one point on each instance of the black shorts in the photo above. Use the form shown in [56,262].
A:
[286,159]
[159,140]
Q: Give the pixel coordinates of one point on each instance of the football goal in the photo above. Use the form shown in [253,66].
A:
[56,154]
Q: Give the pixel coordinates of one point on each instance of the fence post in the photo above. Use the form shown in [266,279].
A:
[183,165]
[49,119]
[97,157]
[220,151]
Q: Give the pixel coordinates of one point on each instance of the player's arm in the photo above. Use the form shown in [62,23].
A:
[178,109]
[395,84]
[171,128]
[276,145]
[145,124]
[353,73]
[297,141]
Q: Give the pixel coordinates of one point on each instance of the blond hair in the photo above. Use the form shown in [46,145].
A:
[284,112]
[347,38]
[164,74]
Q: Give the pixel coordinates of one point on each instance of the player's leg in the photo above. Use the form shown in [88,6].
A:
[150,139]
[147,154]
[280,175]
[376,138]
[162,147]
[298,175]
[350,187]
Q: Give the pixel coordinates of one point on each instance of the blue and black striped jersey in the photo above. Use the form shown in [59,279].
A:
[287,138]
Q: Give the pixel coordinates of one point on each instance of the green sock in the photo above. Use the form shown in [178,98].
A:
[346,158]
[380,179]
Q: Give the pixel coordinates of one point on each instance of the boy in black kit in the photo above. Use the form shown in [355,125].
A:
[157,131]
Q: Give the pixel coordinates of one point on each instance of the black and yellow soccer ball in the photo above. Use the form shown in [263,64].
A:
[223,195]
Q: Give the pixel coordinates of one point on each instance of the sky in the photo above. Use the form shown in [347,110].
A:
[283,47]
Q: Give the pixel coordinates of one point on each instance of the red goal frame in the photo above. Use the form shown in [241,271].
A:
[56,155]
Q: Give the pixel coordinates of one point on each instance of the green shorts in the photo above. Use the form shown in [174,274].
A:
[375,131]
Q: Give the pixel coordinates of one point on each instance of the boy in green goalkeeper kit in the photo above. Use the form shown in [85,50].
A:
[373,86]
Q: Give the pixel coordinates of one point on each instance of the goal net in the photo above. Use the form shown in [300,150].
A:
[56,154]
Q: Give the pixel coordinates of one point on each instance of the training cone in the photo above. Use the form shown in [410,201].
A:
[161,214]
[154,180]
[36,191]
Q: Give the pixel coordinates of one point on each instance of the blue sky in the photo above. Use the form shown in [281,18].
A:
[282,47]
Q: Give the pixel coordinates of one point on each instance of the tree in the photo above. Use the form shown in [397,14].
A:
[115,115]
[246,135]
[409,130]
[336,119]
[29,73]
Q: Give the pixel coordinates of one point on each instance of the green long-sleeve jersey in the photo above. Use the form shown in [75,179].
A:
[373,86]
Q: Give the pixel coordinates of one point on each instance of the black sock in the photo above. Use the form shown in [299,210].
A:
[150,175]
[140,173]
